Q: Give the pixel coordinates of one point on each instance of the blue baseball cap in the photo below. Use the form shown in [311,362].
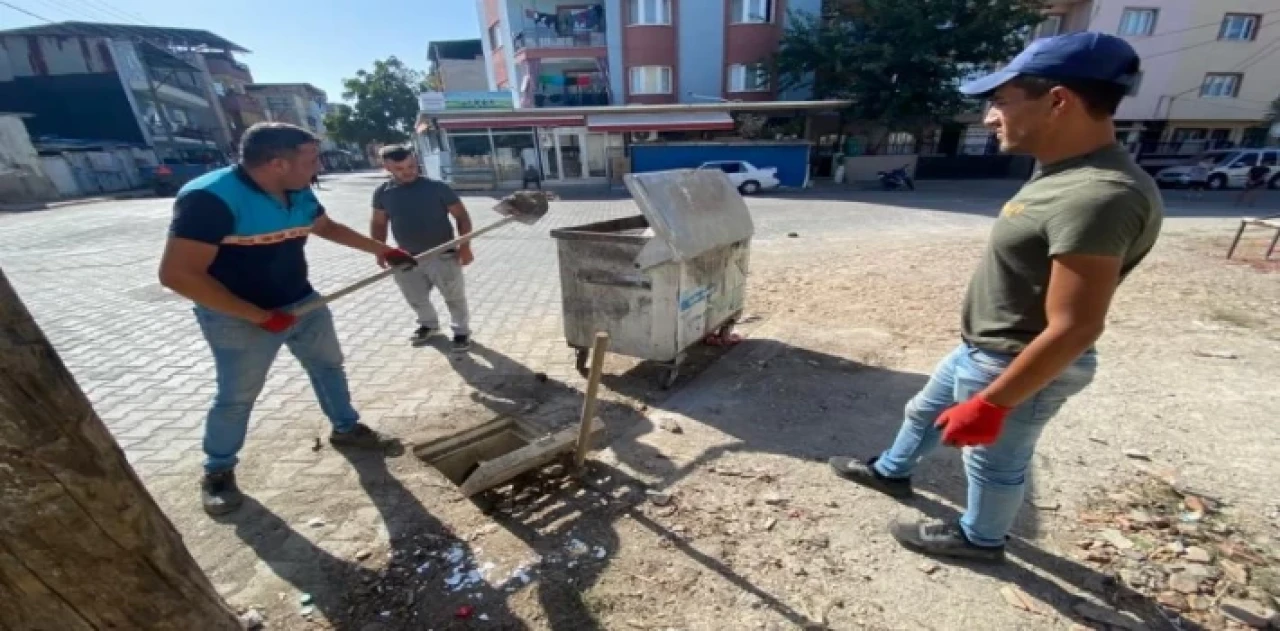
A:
[1085,55]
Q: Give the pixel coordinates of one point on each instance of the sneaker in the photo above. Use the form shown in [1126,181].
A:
[944,539]
[423,335]
[360,437]
[219,493]
[865,474]
[461,343]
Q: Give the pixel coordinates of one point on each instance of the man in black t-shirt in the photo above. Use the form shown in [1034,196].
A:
[236,249]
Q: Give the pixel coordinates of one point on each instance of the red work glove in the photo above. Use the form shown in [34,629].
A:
[278,322]
[972,423]
[395,257]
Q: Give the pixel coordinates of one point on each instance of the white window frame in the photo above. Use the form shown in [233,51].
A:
[1221,85]
[1250,21]
[737,75]
[649,13]
[751,11]
[1042,30]
[1131,13]
[638,79]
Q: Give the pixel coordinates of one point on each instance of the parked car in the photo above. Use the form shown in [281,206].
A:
[1228,168]
[747,177]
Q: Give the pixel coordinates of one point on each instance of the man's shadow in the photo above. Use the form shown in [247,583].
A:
[507,387]
[409,592]
[771,397]
[555,515]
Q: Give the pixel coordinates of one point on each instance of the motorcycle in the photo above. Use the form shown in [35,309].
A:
[896,179]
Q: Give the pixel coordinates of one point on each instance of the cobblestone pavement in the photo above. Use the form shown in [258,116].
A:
[88,274]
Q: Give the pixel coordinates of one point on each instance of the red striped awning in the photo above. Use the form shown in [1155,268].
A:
[507,123]
[654,121]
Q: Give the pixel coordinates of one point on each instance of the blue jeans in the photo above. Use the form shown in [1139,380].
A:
[242,355]
[997,473]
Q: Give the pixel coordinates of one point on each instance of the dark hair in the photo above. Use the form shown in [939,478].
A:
[395,153]
[265,142]
[1101,98]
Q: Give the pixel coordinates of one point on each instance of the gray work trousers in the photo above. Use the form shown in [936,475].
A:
[445,273]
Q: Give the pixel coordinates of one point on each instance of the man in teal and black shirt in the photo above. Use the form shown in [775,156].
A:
[236,249]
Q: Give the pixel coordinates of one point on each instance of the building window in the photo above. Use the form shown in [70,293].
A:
[1220,85]
[495,36]
[651,80]
[649,13]
[1050,27]
[1138,22]
[1239,27]
[751,11]
[748,78]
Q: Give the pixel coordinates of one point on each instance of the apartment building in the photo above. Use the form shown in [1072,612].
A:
[459,65]
[100,83]
[1211,69]
[617,52]
[300,104]
[230,83]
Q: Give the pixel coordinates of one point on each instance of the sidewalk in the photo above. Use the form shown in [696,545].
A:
[78,201]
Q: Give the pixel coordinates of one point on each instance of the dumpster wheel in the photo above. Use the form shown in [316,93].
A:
[669,376]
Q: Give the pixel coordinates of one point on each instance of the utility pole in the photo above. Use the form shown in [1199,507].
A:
[83,546]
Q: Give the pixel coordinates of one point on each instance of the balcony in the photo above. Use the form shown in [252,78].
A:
[233,102]
[184,134]
[549,40]
[570,98]
[225,67]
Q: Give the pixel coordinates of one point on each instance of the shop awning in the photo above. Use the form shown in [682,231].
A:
[653,121]
[509,122]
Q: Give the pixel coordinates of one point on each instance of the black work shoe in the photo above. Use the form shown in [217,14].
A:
[943,539]
[866,475]
[361,437]
[422,336]
[219,493]
[461,343]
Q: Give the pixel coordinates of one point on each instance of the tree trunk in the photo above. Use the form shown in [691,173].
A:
[82,543]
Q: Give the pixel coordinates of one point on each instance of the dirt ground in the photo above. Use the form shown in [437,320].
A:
[711,506]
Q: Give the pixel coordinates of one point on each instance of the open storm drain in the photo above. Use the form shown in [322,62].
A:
[493,453]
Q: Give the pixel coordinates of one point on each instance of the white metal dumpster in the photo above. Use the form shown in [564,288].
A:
[661,281]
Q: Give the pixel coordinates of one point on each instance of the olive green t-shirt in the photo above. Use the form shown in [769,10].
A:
[1101,203]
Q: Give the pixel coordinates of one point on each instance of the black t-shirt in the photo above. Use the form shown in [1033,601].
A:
[261,243]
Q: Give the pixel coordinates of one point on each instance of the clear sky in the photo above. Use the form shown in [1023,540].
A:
[292,41]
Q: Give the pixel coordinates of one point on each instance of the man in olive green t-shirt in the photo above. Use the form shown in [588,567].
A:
[1039,298]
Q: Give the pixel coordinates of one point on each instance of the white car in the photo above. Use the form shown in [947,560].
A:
[746,176]
[1228,168]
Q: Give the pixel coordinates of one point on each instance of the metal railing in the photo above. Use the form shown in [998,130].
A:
[551,98]
[545,38]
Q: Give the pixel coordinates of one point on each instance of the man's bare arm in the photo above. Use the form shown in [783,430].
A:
[462,217]
[326,228]
[378,225]
[184,268]
[1080,291]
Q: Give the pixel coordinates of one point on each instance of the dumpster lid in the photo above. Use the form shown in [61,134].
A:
[690,211]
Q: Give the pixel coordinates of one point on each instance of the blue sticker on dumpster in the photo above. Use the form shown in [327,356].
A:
[693,297]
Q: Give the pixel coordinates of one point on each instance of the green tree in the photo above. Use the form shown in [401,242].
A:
[901,61]
[382,104]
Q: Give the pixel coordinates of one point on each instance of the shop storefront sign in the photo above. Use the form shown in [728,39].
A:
[452,101]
